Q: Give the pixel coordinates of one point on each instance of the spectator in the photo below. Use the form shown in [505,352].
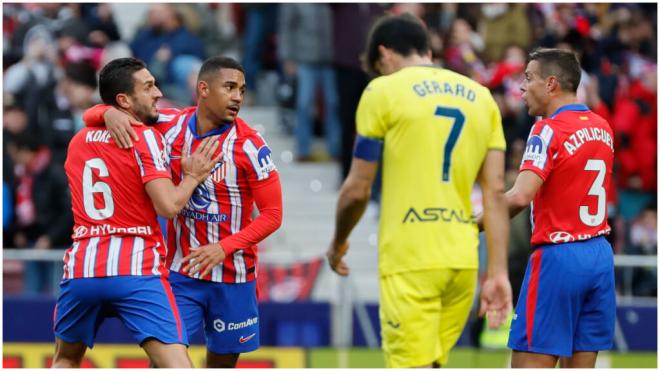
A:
[75,92]
[350,24]
[305,48]
[43,218]
[644,241]
[503,25]
[260,22]
[169,49]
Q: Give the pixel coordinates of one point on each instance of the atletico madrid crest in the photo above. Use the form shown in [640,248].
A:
[219,172]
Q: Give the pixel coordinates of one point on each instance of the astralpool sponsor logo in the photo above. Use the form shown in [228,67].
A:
[436,214]
[220,325]
[205,217]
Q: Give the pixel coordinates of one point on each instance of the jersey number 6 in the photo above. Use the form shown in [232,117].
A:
[89,188]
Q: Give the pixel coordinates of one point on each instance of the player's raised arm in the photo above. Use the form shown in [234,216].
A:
[496,291]
[168,199]
[116,121]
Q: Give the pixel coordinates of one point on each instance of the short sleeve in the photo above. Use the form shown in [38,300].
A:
[151,156]
[497,140]
[541,149]
[257,161]
[372,112]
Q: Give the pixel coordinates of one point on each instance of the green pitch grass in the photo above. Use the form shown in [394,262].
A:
[461,358]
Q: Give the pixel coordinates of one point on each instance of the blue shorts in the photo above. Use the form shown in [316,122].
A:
[567,302]
[228,312]
[144,304]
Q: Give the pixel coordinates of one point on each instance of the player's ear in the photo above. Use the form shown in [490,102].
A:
[123,100]
[552,84]
[202,88]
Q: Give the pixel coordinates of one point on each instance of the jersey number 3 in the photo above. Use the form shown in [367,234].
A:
[90,188]
[597,190]
[459,120]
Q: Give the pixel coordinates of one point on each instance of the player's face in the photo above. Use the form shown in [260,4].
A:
[534,90]
[145,96]
[226,90]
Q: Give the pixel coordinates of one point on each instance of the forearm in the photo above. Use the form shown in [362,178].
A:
[496,225]
[268,221]
[93,116]
[268,198]
[515,202]
[183,192]
[350,208]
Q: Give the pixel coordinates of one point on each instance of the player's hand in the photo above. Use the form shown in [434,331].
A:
[200,164]
[119,124]
[335,257]
[496,300]
[203,259]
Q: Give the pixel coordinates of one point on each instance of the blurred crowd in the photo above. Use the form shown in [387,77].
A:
[305,58]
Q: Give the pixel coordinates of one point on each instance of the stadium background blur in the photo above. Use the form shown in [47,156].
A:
[310,318]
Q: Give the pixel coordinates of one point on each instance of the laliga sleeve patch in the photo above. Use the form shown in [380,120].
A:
[260,158]
[537,147]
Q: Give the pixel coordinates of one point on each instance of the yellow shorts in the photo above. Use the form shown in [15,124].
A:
[422,314]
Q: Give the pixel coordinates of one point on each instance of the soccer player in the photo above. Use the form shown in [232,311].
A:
[436,132]
[116,263]
[212,241]
[567,302]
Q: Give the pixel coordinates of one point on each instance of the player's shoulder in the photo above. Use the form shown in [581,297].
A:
[245,131]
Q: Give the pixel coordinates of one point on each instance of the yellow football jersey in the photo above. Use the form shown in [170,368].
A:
[436,127]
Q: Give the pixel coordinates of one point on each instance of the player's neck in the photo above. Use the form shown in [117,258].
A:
[414,60]
[205,121]
[559,102]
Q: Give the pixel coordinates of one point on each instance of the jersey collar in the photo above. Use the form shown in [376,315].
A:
[570,107]
[192,125]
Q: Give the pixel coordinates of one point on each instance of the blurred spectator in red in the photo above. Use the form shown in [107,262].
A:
[462,46]
[43,218]
[635,124]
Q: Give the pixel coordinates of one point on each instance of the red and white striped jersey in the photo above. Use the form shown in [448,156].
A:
[220,209]
[221,206]
[116,231]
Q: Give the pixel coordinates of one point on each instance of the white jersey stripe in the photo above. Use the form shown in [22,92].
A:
[174,131]
[176,261]
[112,266]
[72,259]
[154,269]
[239,264]
[231,181]
[90,257]
[213,229]
[136,256]
[139,162]
[156,154]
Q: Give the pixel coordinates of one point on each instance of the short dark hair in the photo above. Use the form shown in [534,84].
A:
[117,78]
[560,63]
[213,64]
[404,34]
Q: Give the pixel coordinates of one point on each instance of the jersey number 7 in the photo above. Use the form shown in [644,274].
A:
[459,120]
